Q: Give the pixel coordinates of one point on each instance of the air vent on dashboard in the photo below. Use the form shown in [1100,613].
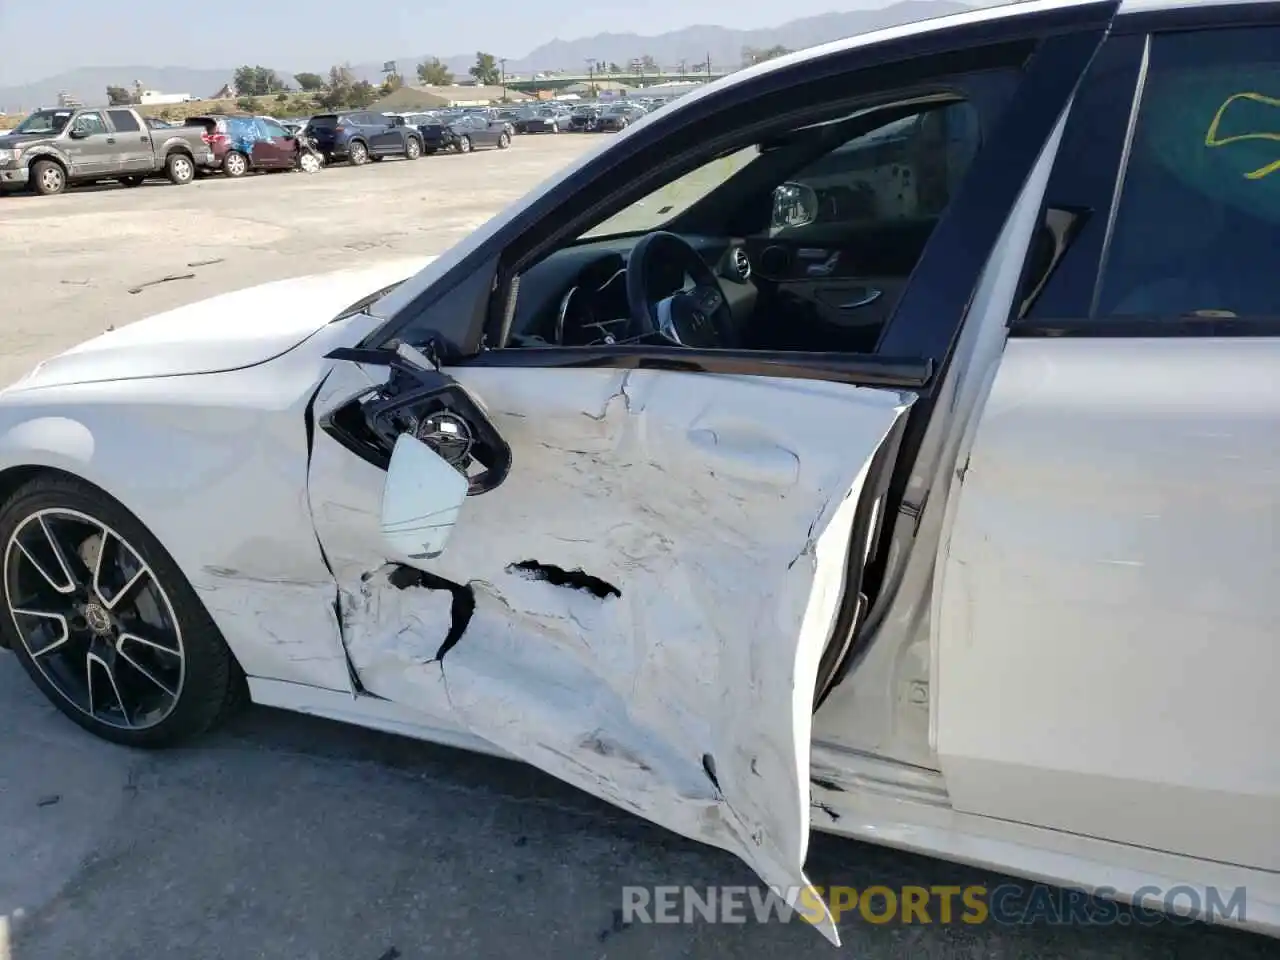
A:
[739,265]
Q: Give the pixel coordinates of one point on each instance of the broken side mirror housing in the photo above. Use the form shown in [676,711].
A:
[428,406]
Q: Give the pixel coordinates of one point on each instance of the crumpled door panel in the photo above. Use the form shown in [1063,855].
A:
[650,591]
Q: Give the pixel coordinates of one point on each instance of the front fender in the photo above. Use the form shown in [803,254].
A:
[46,152]
[215,466]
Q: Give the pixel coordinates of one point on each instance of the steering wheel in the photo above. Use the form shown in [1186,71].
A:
[692,317]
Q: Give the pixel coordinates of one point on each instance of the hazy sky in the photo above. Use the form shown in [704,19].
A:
[298,35]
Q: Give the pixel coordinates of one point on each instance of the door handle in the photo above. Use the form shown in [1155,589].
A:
[144,139]
[869,295]
[111,139]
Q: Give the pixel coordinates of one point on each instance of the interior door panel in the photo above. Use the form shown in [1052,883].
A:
[836,284]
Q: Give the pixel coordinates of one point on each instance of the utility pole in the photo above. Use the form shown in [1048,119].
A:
[502,66]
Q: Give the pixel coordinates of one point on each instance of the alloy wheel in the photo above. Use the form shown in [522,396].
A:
[94,618]
[236,165]
[52,179]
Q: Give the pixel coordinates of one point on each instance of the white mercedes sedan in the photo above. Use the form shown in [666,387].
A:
[884,439]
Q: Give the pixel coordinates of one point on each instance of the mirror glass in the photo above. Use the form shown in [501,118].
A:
[794,205]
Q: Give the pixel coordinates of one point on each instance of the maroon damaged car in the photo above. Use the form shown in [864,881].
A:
[243,144]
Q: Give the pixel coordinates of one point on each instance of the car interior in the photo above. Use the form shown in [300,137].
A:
[803,242]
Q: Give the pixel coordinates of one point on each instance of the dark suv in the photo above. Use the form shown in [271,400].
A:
[362,136]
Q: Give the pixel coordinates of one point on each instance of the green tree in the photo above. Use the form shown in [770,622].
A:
[309,82]
[392,83]
[282,97]
[486,70]
[614,68]
[337,91]
[256,81]
[118,96]
[433,73]
[648,64]
[362,94]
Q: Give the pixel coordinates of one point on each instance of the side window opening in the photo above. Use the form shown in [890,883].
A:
[811,236]
[1184,247]
[1198,220]
[123,121]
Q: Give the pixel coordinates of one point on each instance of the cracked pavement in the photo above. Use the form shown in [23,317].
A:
[288,837]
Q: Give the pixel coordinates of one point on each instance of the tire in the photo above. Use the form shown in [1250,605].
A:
[504,141]
[180,169]
[463,145]
[310,163]
[133,181]
[48,178]
[235,164]
[177,685]
[357,153]
[412,149]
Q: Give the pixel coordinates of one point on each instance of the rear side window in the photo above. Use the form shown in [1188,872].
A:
[323,122]
[1197,226]
[123,121]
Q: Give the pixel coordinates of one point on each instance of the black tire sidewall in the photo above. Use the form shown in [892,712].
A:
[209,668]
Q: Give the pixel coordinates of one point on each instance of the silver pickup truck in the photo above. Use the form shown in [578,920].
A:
[55,147]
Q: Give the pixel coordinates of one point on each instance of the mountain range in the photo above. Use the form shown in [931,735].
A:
[723,46]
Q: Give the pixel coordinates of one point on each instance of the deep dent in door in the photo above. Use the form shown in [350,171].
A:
[610,672]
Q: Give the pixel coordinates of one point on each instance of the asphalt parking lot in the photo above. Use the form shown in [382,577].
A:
[288,837]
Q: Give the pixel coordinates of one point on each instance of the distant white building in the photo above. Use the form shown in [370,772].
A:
[156,97]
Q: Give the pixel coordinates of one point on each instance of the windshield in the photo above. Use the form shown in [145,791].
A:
[652,211]
[44,121]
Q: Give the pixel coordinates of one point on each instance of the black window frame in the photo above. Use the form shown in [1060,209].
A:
[1055,47]
[1067,303]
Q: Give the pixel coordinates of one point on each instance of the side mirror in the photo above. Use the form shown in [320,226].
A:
[421,498]
[794,205]
[77,133]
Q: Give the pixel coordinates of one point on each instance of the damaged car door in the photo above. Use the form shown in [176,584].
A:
[624,577]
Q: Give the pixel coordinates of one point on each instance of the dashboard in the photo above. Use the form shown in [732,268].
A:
[578,295]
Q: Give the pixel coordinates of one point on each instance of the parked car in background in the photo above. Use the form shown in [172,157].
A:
[361,136]
[550,119]
[476,130]
[460,133]
[55,147]
[585,117]
[492,115]
[244,144]
[619,116]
